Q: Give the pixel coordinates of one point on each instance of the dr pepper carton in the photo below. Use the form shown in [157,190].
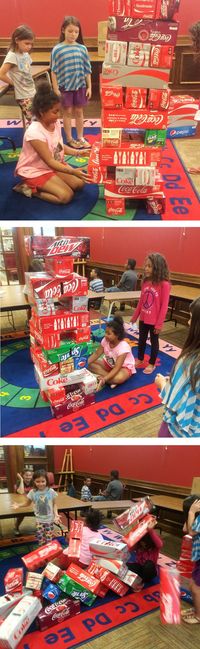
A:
[142,30]
[18,622]
[170,610]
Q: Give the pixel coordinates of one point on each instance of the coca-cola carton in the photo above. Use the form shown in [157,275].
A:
[138,54]
[145,176]
[18,622]
[75,285]
[159,99]
[142,30]
[45,306]
[134,513]
[112,97]
[119,7]
[97,173]
[89,383]
[37,245]
[111,137]
[115,207]
[134,76]
[75,401]
[42,285]
[132,580]
[76,531]
[170,610]
[83,578]
[138,531]
[116,52]
[60,380]
[161,56]
[167,9]
[52,572]
[112,190]
[116,566]
[156,204]
[62,321]
[34,580]
[57,395]
[8,602]
[48,341]
[130,118]
[114,583]
[78,247]
[56,613]
[42,555]
[13,581]
[136,98]
[81,335]
[59,266]
[131,154]
[109,549]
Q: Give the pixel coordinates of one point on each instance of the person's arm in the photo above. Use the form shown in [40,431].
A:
[57,518]
[4,76]
[193,525]
[55,83]
[88,71]
[95,355]
[44,153]
[118,365]
[161,381]
[136,313]
[165,292]
[88,86]
[155,538]
[121,281]
[20,487]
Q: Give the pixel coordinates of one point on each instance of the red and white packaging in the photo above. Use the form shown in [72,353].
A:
[52,572]
[161,56]
[13,581]
[74,549]
[43,554]
[108,549]
[138,531]
[8,602]
[95,570]
[115,207]
[134,513]
[116,52]
[131,154]
[75,285]
[136,98]
[159,99]
[78,247]
[62,321]
[97,173]
[116,566]
[42,285]
[167,9]
[47,369]
[75,536]
[18,622]
[145,176]
[119,7]
[111,137]
[125,175]
[132,580]
[58,612]
[48,341]
[130,118]
[57,395]
[142,30]
[75,304]
[34,580]
[74,377]
[134,77]
[83,578]
[138,54]
[170,609]
[112,190]
[37,245]
[59,266]
[81,335]
[182,110]
[156,204]
[75,400]
[112,97]
[89,383]
[114,583]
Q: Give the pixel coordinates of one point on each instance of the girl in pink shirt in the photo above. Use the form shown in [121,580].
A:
[90,532]
[152,307]
[147,553]
[41,164]
[118,362]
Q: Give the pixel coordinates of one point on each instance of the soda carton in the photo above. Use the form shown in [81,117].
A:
[136,98]
[43,554]
[42,286]
[75,304]
[109,549]
[161,56]
[170,610]
[111,137]
[155,137]
[138,531]
[8,602]
[78,247]
[134,513]
[159,99]
[133,118]
[138,54]
[134,77]
[60,353]
[34,580]
[131,154]
[119,7]
[75,536]
[56,395]
[13,581]
[114,583]
[156,204]
[37,245]
[56,613]
[142,30]
[59,265]
[167,9]
[116,52]
[112,97]
[81,335]
[83,578]
[75,285]
[18,622]
[76,590]
[115,207]
[116,566]
[52,572]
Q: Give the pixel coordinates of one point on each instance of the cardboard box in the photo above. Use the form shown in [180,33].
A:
[111,137]
[56,613]
[115,207]
[136,98]
[108,549]
[78,247]
[18,622]
[114,191]
[102,30]
[170,610]
[133,76]
[131,154]
[59,266]
[138,54]
[116,52]
[112,97]
[75,590]
[142,30]
[83,578]
[137,532]
[132,118]
[161,56]
[159,99]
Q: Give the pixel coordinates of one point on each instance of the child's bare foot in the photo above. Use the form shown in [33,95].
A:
[149,369]
[22,188]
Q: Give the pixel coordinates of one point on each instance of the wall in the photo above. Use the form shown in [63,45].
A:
[45,20]
[170,465]
[114,246]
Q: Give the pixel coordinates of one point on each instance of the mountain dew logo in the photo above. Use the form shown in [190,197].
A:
[63,247]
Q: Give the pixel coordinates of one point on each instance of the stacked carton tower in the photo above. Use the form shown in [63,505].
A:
[135,101]
[60,331]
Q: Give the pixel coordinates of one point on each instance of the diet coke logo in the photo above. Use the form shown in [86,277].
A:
[140,119]
[70,287]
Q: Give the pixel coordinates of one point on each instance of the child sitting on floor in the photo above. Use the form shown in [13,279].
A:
[91,527]
[41,164]
[147,552]
[118,362]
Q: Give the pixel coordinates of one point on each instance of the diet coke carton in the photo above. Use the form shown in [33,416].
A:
[136,98]
[159,99]
[138,54]
[142,30]
[18,622]
[43,554]
[59,266]
[161,56]
[112,97]
[78,247]
[8,602]
[112,190]
[115,207]
[170,610]
[58,612]
[13,581]
[116,566]
[134,513]
[145,176]
[116,52]
[138,531]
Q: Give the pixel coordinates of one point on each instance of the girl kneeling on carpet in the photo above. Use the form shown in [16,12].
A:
[146,554]
[41,164]
[152,307]
[180,393]
[118,362]
[45,509]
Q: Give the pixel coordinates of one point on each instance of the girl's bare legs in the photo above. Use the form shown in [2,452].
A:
[99,369]
[78,114]
[55,190]
[71,181]
[67,119]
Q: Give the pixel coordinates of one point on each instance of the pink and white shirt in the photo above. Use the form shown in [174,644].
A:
[30,164]
[111,354]
[153,304]
[87,536]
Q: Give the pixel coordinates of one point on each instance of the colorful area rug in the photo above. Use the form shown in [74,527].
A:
[89,205]
[25,414]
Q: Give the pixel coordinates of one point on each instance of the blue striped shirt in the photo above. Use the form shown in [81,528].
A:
[97,285]
[182,404]
[71,64]
[196,539]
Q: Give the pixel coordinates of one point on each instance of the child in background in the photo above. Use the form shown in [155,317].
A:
[16,69]
[90,532]
[23,486]
[71,491]
[85,490]
[41,164]
[71,78]
[152,307]
[180,393]
[43,499]
[118,362]
[191,509]
[147,553]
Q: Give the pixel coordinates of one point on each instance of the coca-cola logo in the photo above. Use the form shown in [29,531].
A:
[158,36]
[71,286]
[141,118]
[126,189]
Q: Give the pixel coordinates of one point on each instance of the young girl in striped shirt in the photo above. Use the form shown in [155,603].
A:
[180,392]
[71,78]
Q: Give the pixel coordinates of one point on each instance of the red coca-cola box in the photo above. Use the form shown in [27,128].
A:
[130,154]
[167,9]
[127,191]
[161,56]
[75,285]
[13,581]
[146,31]
[170,609]
[72,404]
[159,99]
[143,8]
[81,335]
[37,245]
[115,207]
[59,266]
[112,97]
[74,549]
[48,341]
[114,583]
[119,7]
[156,204]
[136,98]
[57,395]
[136,511]
[97,173]
[58,612]
[94,569]
[138,531]
[42,555]
[76,529]
[42,285]
[47,369]
[62,321]
[78,247]
[134,76]
[83,578]
[130,118]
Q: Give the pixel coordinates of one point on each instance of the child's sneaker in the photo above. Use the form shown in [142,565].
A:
[22,188]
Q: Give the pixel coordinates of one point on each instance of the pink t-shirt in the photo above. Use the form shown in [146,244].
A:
[153,304]
[111,354]
[30,165]
[87,536]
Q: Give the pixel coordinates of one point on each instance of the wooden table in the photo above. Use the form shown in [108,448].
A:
[110,504]
[64,504]
[12,299]
[118,296]
[184,294]
[168,502]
